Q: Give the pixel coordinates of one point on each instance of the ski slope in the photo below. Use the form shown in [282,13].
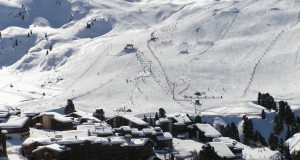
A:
[232,49]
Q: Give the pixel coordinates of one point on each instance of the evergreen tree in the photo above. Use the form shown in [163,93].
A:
[263,114]
[162,113]
[273,141]
[281,146]
[259,98]
[208,153]
[198,119]
[235,132]
[100,114]
[286,153]
[151,122]
[247,130]
[50,48]
[278,124]
[289,115]
[28,35]
[69,107]
[156,117]
[288,133]
[0,35]
[16,43]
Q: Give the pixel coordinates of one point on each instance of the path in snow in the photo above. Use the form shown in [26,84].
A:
[252,75]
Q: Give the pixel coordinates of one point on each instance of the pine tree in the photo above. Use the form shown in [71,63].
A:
[259,98]
[151,122]
[288,133]
[162,113]
[50,48]
[16,43]
[289,115]
[100,114]
[273,141]
[69,107]
[156,117]
[235,132]
[263,114]
[198,119]
[278,124]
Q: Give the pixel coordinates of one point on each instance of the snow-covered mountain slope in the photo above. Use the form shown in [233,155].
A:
[224,48]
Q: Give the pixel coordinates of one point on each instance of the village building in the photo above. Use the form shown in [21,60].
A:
[16,127]
[222,150]
[166,124]
[126,120]
[162,140]
[53,121]
[80,117]
[52,151]
[203,132]
[97,129]
[180,124]
[232,144]
[91,148]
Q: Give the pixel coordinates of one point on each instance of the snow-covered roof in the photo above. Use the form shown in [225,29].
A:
[14,122]
[104,131]
[93,139]
[85,115]
[222,150]
[228,141]
[3,114]
[181,119]
[58,117]
[55,147]
[208,130]
[135,142]
[91,128]
[133,119]
[164,136]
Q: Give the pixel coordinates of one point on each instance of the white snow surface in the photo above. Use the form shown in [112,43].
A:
[227,48]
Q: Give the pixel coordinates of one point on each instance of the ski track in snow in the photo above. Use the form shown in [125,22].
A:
[103,84]
[253,73]
[223,34]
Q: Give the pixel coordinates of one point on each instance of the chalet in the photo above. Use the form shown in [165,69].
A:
[203,132]
[91,148]
[80,117]
[222,150]
[16,127]
[162,140]
[97,129]
[30,115]
[52,120]
[232,144]
[126,120]
[52,151]
[180,124]
[166,124]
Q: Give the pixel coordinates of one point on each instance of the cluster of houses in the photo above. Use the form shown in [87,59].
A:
[82,136]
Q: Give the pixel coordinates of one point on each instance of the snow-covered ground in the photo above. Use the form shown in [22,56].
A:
[229,50]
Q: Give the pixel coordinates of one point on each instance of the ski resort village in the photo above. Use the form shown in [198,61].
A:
[150,79]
